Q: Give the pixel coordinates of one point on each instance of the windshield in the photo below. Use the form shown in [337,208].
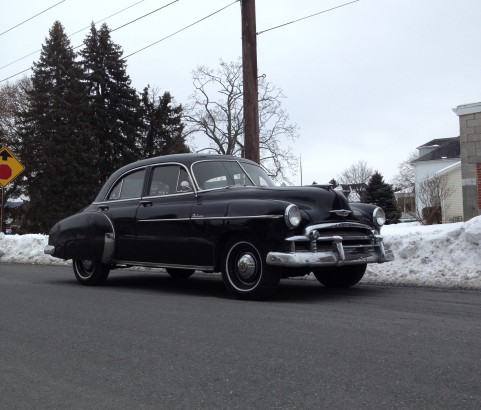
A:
[257,175]
[221,174]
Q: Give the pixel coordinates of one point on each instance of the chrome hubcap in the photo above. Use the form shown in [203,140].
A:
[246,266]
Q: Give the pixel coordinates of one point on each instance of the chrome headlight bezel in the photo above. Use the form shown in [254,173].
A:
[292,216]
[379,217]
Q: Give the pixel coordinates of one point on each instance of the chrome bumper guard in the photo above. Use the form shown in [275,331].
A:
[339,255]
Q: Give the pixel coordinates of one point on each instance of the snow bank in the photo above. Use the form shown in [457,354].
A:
[26,249]
[439,255]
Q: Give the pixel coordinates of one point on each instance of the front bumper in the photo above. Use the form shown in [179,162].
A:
[320,259]
[370,249]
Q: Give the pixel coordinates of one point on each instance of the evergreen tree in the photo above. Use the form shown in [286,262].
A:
[114,105]
[54,138]
[382,194]
[163,125]
[334,183]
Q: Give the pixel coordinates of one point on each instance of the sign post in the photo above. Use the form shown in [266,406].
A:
[10,168]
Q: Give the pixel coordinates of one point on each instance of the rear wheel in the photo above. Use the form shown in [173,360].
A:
[340,277]
[180,273]
[245,272]
[90,272]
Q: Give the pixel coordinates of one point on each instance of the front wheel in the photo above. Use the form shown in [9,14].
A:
[245,272]
[343,277]
[89,272]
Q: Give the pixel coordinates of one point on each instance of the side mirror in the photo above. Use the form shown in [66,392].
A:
[185,186]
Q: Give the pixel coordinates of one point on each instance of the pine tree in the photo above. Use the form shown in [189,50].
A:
[162,125]
[114,105]
[54,136]
[382,195]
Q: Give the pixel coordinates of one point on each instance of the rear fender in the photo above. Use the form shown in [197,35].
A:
[87,235]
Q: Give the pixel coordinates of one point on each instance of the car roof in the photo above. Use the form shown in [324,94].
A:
[185,159]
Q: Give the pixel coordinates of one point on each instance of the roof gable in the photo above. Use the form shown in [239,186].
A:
[448,148]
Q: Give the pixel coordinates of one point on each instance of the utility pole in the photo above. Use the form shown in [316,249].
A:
[249,71]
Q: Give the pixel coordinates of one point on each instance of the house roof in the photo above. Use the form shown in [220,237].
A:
[449,169]
[353,187]
[447,148]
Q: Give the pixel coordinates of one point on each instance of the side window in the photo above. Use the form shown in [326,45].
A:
[168,180]
[129,186]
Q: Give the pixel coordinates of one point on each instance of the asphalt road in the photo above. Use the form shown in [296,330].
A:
[145,341]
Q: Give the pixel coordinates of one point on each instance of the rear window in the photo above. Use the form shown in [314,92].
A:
[129,186]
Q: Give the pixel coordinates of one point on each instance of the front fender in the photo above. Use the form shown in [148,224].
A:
[86,235]
[364,213]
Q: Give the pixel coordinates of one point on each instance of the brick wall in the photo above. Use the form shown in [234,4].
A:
[470,140]
[478,171]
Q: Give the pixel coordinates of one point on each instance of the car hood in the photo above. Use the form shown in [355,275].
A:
[315,202]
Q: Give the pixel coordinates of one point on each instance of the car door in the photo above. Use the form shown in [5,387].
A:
[120,207]
[164,217]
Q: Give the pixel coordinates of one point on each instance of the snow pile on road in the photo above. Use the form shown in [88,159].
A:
[438,255]
[26,249]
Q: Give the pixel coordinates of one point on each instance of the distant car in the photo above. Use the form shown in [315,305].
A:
[215,213]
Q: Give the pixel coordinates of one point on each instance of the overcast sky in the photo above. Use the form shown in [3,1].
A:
[369,81]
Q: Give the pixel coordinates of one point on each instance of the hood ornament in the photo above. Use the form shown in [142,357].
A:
[341,212]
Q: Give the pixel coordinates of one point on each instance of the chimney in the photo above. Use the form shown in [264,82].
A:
[470,141]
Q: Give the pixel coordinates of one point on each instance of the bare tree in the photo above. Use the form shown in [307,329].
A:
[405,176]
[358,173]
[12,101]
[431,195]
[215,110]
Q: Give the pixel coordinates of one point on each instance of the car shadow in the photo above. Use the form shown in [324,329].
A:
[203,284]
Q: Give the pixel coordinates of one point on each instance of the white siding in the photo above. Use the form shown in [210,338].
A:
[453,205]
[426,169]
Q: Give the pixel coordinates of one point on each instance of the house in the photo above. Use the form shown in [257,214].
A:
[440,158]
[353,192]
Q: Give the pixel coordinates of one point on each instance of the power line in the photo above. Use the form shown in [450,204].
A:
[38,14]
[304,18]
[134,20]
[14,75]
[145,15]
[105,18]
[152,44]
[78,31]
[182,29]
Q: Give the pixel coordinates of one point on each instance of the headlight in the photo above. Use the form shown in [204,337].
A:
[292,216]
[379,217]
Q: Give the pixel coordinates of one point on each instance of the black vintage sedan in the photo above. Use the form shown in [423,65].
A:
[215,213]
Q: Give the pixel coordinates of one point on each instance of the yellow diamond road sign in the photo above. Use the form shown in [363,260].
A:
[10,167]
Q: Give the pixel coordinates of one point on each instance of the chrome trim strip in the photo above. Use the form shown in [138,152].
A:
[112,201]
[164,220]
[168,195]
[341,212]
[163,265]
[109,247]
[337,225]
[213,218]
[237,217]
